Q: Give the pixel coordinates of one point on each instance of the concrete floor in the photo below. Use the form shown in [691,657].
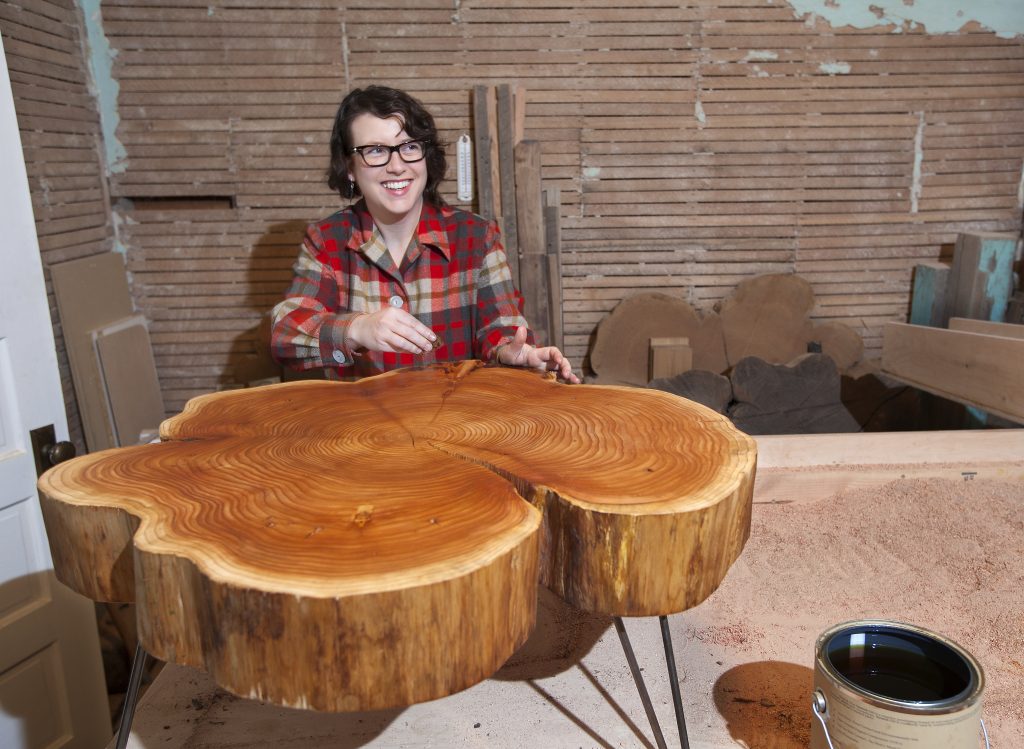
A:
[745,659]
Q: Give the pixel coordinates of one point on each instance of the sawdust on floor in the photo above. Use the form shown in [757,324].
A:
[941,554]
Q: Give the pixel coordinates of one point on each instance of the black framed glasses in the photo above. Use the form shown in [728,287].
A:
[376,154]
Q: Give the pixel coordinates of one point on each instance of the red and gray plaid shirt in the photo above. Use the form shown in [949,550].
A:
[454,278]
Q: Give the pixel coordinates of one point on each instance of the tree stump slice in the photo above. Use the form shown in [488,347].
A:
[358,546]
[620,354]
[767,317]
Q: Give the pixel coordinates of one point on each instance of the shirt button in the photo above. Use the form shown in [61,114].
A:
[395,301]
[339,356]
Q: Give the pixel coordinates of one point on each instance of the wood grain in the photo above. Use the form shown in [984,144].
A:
[354,546]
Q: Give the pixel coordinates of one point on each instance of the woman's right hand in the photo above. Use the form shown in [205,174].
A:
[391,329]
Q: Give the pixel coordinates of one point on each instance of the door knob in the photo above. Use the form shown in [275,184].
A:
[58,452]
[48,450]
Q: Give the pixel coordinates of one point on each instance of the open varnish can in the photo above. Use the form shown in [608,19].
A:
[888,685]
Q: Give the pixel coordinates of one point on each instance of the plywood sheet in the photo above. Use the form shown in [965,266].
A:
[130,381]
[91,293]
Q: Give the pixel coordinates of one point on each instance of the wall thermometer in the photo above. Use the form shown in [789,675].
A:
[464,151]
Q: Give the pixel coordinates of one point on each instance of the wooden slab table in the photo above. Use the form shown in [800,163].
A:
[364,546]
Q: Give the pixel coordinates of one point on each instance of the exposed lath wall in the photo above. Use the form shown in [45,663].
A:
[694,144]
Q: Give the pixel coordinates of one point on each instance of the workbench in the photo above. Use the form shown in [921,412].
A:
[823,549]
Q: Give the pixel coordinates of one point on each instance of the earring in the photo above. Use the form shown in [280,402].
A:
[351,188]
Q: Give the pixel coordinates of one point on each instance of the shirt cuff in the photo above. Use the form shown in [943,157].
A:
[334,346]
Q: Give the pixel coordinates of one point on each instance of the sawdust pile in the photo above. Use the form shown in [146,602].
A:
[945,555]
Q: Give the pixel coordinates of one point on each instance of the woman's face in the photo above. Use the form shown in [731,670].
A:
[392,191]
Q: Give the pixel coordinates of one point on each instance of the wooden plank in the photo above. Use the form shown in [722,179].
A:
[978,370]
[130,383]
[553,248]
[486,167]
[533,263]
[981,278]
[506,160]
[987,327]
[91,293]
[928,304]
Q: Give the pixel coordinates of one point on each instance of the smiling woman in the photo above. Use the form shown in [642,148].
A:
[400,278]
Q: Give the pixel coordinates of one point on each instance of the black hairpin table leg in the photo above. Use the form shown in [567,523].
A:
[673,680]
[645,698]
[132,697]
[634,667]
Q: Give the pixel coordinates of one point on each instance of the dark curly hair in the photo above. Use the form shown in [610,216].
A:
[384,102]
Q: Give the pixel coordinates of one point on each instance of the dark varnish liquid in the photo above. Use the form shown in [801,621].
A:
[890,666]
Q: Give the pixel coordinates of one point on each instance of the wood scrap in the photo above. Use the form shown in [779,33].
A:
[928,297]
[669,357]
[802,397]
[981,279]
[485,152]
[507,177]
[91,292]
[533,258]
[620,353]
[131,387]
[553,248]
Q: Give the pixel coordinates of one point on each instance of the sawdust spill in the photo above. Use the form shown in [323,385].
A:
[945,555]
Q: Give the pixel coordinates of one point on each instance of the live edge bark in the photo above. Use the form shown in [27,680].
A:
[357,546]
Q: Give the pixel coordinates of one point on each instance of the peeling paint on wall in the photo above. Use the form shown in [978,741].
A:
[101,67]
[834,68]
[760,55]
[915,185]
[1020,188]
[1004,17]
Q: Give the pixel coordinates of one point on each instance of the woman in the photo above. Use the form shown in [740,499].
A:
[400,277]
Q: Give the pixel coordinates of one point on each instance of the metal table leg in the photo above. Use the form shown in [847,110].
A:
[645,698]
[132,697]
[673,680]
[641,687]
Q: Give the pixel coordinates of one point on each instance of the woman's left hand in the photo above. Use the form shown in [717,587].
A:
[519,353]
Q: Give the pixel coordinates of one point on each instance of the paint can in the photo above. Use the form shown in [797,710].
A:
[888,685]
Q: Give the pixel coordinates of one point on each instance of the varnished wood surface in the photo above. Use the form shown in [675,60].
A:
[361,545]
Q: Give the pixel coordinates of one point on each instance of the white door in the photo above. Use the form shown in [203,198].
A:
[51,677]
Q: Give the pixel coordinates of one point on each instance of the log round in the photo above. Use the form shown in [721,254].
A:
[356,546]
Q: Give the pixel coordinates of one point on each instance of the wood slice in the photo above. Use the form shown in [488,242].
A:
[767,317]
[356,546]
[803,397]
[839,342]
[622,342]
[707,388]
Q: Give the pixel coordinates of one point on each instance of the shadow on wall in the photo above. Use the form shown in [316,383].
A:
[767,704]
[269,273]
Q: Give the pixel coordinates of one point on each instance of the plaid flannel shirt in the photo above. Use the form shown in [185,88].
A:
[454,278]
